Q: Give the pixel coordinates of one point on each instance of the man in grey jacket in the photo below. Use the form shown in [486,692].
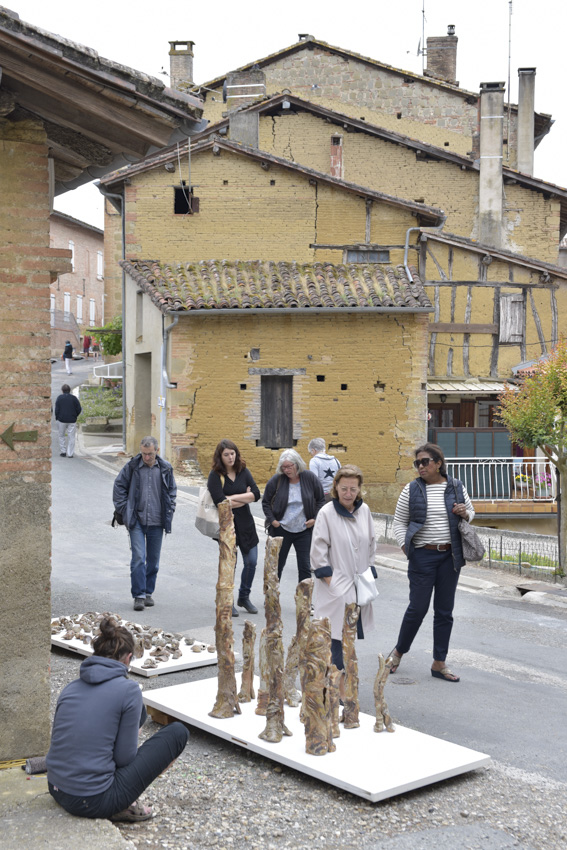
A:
[144,494]
[324,466]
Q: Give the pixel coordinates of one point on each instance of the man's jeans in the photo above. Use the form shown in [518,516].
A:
[145,542]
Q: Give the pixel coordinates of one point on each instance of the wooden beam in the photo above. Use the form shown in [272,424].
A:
[461,328]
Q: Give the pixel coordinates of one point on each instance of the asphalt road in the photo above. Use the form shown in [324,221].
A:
[510,702]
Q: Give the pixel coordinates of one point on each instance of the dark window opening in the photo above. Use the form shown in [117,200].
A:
[344,386]
[336,141]
[276,411]
[272,182]
[225,182]
[184,202]
[320,378]
[365,256]
[399,115]
[242,386]
[254,354]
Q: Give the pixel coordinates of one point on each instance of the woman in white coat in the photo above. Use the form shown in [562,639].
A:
[343,544]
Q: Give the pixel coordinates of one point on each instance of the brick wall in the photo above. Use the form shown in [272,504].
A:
[218,389]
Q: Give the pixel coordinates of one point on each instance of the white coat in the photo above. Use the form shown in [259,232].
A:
[346,543]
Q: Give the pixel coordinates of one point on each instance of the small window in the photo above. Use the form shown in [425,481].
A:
[99,265]
[242,386]
[66,305]
[272,182]
[320,378]
[363,256]
[79,315]
[185,203]
[344,386]
[336,141]
[92,312]
[511,319]
[276,411]
[52,302]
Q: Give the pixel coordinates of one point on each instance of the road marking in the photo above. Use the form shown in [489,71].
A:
[508,669]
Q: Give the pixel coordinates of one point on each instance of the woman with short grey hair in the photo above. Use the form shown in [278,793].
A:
[292,499]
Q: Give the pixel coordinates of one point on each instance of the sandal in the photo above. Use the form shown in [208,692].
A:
[445,674]
[395,655]
[133,814]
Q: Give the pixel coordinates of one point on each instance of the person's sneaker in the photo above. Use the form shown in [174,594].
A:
[139,603]
[247,605]
[63,454]
[149,601]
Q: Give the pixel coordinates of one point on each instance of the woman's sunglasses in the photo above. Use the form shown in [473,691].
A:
[423,461]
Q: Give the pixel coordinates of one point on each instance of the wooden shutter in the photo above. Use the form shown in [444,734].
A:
[276,411]
[511,319]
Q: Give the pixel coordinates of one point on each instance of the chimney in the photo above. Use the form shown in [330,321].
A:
[241,89]
[181,64]
[442,57]
[490,182]
[526,109]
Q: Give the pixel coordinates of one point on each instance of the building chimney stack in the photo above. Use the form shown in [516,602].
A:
[490,182]
[181,64]
[526,109]
[442,57]
[241,89]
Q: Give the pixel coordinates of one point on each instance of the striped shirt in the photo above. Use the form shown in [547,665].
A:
[436,527]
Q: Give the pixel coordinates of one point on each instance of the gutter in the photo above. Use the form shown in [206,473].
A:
[106,194]
[296,311]
[165,383]
[436,229]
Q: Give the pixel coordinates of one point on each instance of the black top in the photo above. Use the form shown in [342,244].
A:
[276,496]
[67,408]
[244,526]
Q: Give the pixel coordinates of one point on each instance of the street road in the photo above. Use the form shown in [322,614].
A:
[510,654]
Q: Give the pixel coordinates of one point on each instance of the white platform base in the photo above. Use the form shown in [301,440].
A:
[372,765]
[188,660]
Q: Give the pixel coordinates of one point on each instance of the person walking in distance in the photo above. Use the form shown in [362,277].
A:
[68,356]
[144,494]
[323,465]
[67,409]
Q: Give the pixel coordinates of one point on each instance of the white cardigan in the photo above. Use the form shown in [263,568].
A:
[347,545]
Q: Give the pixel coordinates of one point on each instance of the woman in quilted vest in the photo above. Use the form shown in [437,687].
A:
[426,526]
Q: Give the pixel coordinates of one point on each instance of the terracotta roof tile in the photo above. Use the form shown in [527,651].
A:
[224,284]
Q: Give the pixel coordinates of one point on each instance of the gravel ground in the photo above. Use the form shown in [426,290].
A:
[218,795]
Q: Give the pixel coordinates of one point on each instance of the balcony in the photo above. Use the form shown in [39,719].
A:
[508,485]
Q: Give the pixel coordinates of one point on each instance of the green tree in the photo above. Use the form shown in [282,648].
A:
[112,340]
[536,415]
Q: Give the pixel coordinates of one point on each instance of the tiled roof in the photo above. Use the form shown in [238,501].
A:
[235,285]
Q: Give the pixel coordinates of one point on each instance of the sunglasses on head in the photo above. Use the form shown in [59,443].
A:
[423,461]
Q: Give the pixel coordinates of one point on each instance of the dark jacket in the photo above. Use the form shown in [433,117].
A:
[244,526]
[127,487]
[95,729]
[276,494]
[418,513]
[67,408]
[68,351]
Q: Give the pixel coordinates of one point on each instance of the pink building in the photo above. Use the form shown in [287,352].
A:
[77,298]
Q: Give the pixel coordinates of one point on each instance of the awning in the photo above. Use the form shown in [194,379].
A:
[475,386]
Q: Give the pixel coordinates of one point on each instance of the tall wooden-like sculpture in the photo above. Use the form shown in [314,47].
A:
[263,692]
[303,594]
[350,714]
[246,693]
[334,677]
[275,726]
[383,719]
[316,690]
[226,704]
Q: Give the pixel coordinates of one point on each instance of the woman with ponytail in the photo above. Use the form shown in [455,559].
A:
[94,766]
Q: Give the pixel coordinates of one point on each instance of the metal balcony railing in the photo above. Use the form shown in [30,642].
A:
[514,479]
[113,371]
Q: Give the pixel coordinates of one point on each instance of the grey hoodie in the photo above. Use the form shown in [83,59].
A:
[95,729]
[325,468]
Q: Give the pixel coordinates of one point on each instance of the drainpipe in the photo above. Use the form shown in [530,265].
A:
[120,198]
[165,383]
[436,229]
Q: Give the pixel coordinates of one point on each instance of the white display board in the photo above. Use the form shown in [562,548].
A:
[370,764]
[188,660]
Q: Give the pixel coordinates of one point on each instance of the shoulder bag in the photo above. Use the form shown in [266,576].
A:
[473,548]
[207,519]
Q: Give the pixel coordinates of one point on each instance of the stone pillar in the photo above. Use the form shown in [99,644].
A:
[526,109]
[243,88]
[490,183]
[27,267]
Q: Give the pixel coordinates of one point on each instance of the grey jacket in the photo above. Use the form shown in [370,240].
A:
[127,488]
